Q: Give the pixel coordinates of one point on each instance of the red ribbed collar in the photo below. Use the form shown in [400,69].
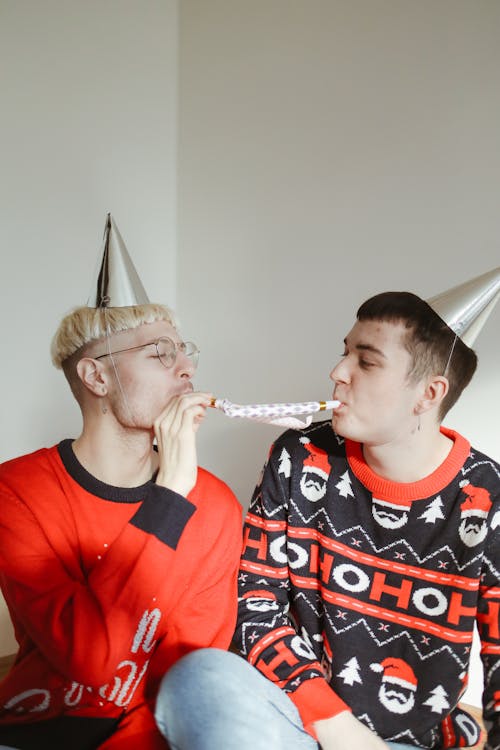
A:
[384,489]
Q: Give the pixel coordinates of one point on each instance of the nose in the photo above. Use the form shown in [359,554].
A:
[340,373]
[184,366]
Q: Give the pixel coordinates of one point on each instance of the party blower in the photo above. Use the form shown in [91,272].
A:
[282,415]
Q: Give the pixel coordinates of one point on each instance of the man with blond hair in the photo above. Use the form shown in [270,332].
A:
[118,554]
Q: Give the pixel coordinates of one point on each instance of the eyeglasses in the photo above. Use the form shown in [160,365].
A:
[166,351]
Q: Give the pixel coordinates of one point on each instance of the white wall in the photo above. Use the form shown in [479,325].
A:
[88,125]
[328,150]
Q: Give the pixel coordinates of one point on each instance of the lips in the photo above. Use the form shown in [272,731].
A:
[336,396]
[186,389]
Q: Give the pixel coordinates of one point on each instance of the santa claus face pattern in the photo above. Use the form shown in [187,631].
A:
[389,515]
[398,686]
[260,601]
[474,514]
[315,472]
[396,698]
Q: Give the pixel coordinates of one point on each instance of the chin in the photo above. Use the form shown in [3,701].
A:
[342,429]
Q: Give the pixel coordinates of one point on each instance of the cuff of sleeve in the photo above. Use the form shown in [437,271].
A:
[315,700]
[163,513]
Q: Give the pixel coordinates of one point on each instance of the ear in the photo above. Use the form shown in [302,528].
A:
[92,376]
[435,389]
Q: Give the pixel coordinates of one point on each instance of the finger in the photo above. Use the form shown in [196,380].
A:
[184,404]
[191,416]
[163,423]
[166,418]
[169,421]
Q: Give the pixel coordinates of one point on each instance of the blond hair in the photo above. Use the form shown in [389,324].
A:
[84,325]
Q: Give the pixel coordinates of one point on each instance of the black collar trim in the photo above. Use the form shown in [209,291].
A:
[95,486]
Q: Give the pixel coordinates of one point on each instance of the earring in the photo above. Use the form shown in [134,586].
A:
[104,408]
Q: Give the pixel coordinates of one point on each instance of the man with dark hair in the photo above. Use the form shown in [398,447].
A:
[430,344]
[370,552]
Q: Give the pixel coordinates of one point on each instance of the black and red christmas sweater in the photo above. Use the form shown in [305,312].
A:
[107,587]
[357,592]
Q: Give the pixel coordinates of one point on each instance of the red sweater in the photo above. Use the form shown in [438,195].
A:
[107,587]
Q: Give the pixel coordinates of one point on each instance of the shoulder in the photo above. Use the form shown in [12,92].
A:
[28,485]
[217,523]
[481,471]
[478,459]
[26,469]
[318,434]
[480,498]
[214,495]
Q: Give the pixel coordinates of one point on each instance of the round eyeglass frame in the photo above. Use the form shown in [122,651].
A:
[182,346]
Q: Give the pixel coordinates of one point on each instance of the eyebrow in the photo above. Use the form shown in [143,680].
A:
[368,348]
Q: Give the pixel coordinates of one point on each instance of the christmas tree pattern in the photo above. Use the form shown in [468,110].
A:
[433,511]
[438,700]
[344,486]
[350,673]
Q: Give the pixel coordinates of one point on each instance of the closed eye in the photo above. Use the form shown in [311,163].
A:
[365,364]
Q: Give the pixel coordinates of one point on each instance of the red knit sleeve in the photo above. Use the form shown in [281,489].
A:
[315,700]
[205,616]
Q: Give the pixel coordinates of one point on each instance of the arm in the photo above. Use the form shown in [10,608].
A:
[206,613]
[266,635]
[205,616]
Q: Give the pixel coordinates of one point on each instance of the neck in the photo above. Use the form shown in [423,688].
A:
[409,460]
[122,458]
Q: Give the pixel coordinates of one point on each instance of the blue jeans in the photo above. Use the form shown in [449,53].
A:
[214,699]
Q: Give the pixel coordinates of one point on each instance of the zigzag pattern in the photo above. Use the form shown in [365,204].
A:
[361,621]
[491,567]
[338,534]
[494,668]
[270,512]
[487,462]
[277,621]
[247,625]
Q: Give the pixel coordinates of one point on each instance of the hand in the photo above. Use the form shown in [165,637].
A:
[345,732]
[175,431]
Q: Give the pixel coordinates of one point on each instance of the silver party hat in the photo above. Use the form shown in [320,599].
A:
[116,282]
[466,307]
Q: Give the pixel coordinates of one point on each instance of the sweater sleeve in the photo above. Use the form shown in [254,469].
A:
[266,634]
[205,615]
[489,630]
[83,623]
